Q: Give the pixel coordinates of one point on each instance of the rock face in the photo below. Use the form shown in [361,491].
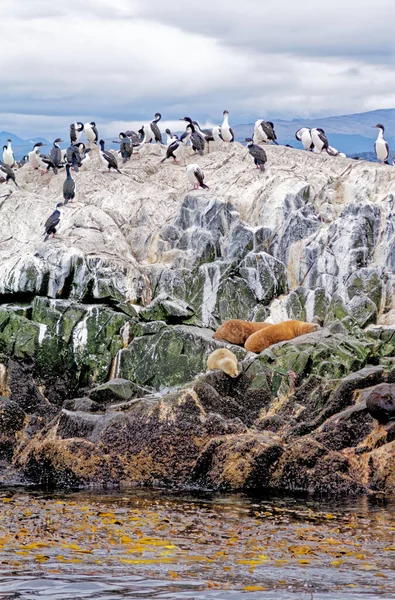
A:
[106,328]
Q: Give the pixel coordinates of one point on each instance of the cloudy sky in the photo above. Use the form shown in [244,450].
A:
[118,62]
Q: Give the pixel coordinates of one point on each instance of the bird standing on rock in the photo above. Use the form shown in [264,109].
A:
[68,186]
[125,147]
[196,176]
[73,157]
[8,155]
[264,132]
[319,139]
[171,148]
[108,159]
[226,130]
[8,172]
[304,135]
[381,146]
[52,222]
[257,153]
[91,132]
[56,153]
[76,130]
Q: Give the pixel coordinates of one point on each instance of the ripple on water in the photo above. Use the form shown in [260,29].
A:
[147,544]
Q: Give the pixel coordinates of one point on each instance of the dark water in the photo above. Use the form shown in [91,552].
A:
[146,544]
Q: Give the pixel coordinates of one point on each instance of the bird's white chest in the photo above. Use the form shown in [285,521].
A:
[317,141]
[191,175]
[306,140]
[381,149]
[8,157]
[33,159]
[90,134]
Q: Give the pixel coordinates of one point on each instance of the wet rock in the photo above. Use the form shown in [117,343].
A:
[238,462]
[381,402]
[117,390]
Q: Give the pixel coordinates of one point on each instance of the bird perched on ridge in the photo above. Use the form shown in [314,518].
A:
[196,176]
[46,163]
[226,131]
[52,222]
[84,153]
[91,132]
[8,172]
[304,135]
[56,153]
[76,130]
[197,139]
[73,157]
[257,153]
[319,139]
[108,159]
[125,146]
[155,129]
[264,132]
[171,148]
[69,186]
[381,146]
[32,155]
[8,154]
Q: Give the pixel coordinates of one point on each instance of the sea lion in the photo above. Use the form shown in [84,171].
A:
[381,402]
[287,330]
[236,331]
[224,360]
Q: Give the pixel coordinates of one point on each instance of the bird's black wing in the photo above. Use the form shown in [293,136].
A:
[56,155]
[388,150]
[232,134]
[69,189]
[257,152]
[198,142]
[324,140]
[110,158]
[73,135]
[156,132]
[94,129]
[52,221]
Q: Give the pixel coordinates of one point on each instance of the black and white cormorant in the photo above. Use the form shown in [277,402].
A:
[73,157]
[171,148]
[84,154]
[56,153]
[68,186]
[304,135]
[108,159]
[381,146]
[226,131]
[76,130]
[125,146]
[137,138]
[52,222]
[8,154]
[196,176]
[257,153]
[264,132]
[197,139]
[32,155]
[91,132]
[8,172]
[319,139]
[155,129]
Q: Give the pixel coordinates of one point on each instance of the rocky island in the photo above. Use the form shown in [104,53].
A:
[105,329]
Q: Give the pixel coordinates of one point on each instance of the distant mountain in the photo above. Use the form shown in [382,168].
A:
[352,134]
[19,145]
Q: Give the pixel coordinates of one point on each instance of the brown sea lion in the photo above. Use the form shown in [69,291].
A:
[224,360]
[287,330]
[236,331]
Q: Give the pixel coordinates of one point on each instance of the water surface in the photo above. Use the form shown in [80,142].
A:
[147,544]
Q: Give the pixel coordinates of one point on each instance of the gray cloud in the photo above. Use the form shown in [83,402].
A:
[125,59]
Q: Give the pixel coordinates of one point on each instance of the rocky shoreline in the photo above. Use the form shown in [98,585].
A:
[105,332]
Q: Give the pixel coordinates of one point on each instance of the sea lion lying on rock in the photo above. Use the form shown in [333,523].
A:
[224,360]
[287,330]
[236,331]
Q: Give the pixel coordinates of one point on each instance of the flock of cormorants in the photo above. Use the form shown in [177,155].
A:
[77,154]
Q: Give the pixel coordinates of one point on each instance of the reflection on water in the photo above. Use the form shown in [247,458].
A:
[146,544]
